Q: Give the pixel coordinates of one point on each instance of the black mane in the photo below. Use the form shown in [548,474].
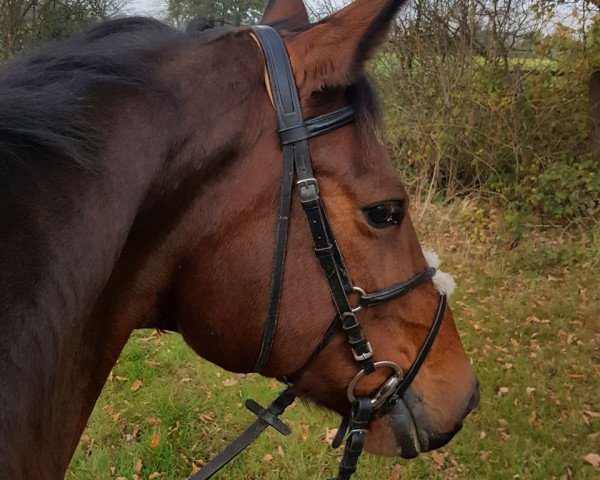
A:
[44,94]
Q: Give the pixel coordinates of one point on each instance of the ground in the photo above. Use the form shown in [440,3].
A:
[529,315]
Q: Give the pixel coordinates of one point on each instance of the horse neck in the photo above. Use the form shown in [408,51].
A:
[96,258]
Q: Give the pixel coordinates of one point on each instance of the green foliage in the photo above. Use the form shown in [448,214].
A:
[236,12]
[510,129]
[26,23]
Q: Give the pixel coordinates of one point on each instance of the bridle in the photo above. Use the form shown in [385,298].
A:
[294,133]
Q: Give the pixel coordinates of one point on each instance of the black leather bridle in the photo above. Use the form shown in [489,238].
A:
[294,133]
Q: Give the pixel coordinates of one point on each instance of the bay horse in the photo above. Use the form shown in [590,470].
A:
[140,172]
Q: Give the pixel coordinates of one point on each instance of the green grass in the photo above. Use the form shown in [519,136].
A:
[530,320]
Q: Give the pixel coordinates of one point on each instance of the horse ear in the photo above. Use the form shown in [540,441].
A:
[333,52]
[292,12]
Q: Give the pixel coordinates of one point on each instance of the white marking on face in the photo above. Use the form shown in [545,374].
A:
[444,282]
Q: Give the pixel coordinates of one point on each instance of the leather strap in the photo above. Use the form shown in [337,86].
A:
[395,291]
[266,417]
[418,362]
[359,422]
[294,134]
[317,126]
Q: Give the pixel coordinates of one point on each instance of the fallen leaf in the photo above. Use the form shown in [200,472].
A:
[396,472]
[304,431]
[136,385]
[154,421]
[155,440]
[593,459]
[175,428]
[230,382]
[268,457]
[438,459]
[502,391]
[280,451]
[138,465]
[154,475]
[108,409]
[330,435]
[152,363]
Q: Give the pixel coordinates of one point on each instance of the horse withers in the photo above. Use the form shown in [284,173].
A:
[140,180]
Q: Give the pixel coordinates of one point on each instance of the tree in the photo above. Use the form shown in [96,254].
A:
[236,12]
[24,23]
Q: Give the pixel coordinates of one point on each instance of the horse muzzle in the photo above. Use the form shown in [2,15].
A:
[407,430]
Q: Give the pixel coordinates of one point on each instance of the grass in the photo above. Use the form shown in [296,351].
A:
[530,320]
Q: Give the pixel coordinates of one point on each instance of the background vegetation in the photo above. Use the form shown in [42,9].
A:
[492,110]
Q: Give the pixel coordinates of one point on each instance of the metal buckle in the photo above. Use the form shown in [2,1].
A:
[385,391]
[309,189]
[364,356]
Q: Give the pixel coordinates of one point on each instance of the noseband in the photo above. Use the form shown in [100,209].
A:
[294,133]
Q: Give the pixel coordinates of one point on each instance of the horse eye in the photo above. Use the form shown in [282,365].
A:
[385,214]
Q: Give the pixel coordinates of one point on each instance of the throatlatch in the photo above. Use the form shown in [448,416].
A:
[294,134]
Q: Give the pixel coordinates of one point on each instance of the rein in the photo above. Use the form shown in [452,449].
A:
[294,133]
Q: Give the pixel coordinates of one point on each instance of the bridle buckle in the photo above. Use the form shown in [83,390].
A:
[309,189]
[365,356]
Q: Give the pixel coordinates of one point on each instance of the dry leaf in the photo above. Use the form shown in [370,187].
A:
[136,385]
[593,459]
[330,435]
[502,391]
[175,428]
[152,363]
[155,440]
[280,451]
[438,459]
[396,472]
[108,409]
[138,466]
[304,431]
[154,475]
[230,382]
[154,421]
[268,457]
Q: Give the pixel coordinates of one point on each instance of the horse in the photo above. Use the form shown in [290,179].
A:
[140,178]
